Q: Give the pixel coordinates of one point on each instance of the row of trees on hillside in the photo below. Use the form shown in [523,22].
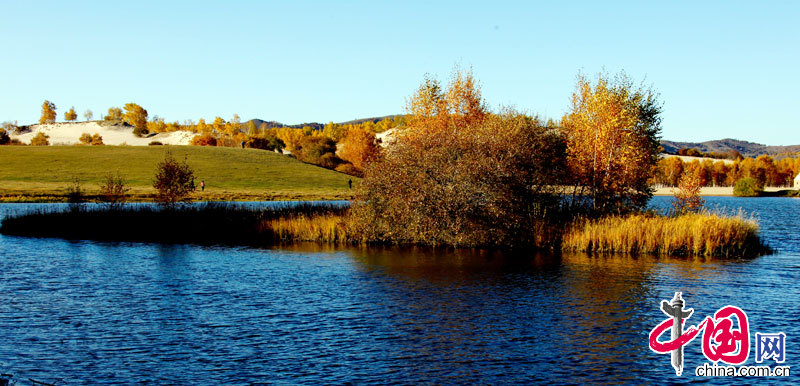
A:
[133,115]
[766,170]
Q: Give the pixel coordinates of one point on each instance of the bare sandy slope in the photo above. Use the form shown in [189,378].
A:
[685,158]
[68,134]
[709,191]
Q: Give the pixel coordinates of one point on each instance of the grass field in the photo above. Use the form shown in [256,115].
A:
[43,173]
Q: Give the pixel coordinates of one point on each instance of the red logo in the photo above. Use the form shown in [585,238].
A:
[726,336]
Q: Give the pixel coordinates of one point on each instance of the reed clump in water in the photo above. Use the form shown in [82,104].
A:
[703,234]
[325,228]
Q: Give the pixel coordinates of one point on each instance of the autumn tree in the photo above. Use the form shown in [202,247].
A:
[71,115]
[669,171]
[205,139]
[48,112]
[459,106]
[85,139]
[290,137]
[459,175]
[40,139]
[4,137]
[114,114]
[88,115]
[202,127]
[719,173]
[612,133]
[252,129]
[156,125]
[313,149]
[687,198]
[113,191]
[359,147]
[484,185]
[136,116]
[174,181]
[219,125]
[334,131]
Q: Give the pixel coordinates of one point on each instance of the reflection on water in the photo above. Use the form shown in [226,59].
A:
[110,313]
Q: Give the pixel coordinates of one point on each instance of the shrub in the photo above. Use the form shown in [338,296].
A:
[85,139]
[747,187]
[311,149]
[488,184]
[348,168]
[204,140]
[359,147]
[687,197]
[97,139]
[75,196]
[155,143]
[40,139]
[174,181]
[140,131]
[4,137]
[267,142]
[113,190]
[329,161]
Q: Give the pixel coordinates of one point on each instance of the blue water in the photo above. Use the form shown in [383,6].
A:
[120,313]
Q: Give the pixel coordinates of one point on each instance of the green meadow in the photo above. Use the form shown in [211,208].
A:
[44,173]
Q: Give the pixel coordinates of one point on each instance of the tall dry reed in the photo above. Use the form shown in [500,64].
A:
[327,228]
[696,234]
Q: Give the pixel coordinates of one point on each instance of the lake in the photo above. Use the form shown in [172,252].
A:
[83,312]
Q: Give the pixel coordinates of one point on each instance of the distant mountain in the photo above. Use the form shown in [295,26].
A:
[747,149]
[317,125]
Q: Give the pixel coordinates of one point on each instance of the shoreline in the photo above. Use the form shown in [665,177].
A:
[61,197]
[724,191]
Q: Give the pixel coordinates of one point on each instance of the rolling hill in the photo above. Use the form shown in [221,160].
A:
[45,172]
[317,125]
[745,148]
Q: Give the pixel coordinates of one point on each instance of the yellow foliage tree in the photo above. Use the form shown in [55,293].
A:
[687,197]
[460,106]
[48,112]
[202,127]
[290,137]
[359,147]
[71,115]
[135,115]
[40,139]
[97,139]
[219,125]
[157,125]
[612,142]
[114,114]
[85,139]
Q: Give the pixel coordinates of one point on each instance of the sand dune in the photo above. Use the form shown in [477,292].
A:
[68,134]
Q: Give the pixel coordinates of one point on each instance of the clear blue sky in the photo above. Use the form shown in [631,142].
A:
[723,68]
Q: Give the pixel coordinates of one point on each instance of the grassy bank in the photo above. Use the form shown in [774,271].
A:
[42,173]
[704,234]
[210,223]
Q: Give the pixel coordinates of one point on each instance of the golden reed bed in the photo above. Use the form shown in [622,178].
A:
[695,234]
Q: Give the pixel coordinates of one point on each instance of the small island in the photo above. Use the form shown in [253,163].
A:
[453,173]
